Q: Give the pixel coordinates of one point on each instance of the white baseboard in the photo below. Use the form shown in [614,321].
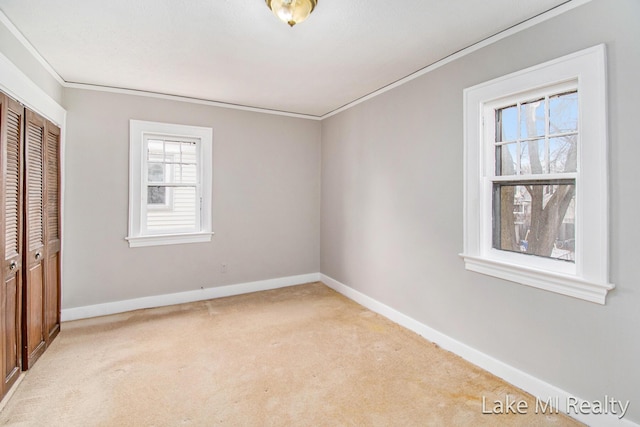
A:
[526,382]
[183,297]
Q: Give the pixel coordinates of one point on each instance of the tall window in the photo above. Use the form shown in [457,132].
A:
[535,199]
[170,184]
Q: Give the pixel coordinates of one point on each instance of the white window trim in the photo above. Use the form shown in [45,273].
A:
[137,130]
[588,279]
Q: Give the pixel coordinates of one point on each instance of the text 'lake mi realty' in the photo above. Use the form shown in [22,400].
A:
[510,405]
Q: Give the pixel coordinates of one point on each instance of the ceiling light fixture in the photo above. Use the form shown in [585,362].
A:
[292,11]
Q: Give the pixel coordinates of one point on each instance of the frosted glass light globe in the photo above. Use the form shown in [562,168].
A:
[292,11]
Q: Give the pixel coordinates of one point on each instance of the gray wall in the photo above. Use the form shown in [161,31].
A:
[266,200]
[392,213]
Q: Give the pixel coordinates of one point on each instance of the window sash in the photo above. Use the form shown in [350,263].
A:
[492,124]
[497,219]
[146,208]
[494,142]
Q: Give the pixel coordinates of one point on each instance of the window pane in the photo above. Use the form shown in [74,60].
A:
[536,219]
[188,152]
[532,159]
[507,120]
[155,148]
[173,171]
[156,195]
[563,113]
[563,154]
[187,175]
[156,172]
[507,157]
[179,212]
[172,147]
[532,119]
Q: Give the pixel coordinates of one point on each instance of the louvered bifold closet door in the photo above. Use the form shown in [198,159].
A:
[34,336]
[52,230]
[11,134]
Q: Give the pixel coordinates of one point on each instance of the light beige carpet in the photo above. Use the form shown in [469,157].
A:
[298,356]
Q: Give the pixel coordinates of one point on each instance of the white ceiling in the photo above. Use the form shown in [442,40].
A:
[237,52]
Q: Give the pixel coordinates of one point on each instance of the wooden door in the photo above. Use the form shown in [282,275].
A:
[52,231]
[34,334]
[11,141]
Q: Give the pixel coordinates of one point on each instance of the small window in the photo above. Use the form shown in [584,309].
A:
[170,184]
[535,189]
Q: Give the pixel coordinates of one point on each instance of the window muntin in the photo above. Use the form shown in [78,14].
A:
[535,155]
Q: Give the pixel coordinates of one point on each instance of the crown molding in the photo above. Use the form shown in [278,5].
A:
[27,45]
[188,99]
[551,13]
[558,10]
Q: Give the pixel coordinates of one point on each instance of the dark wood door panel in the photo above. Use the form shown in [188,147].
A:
[34,296]
[34,235]
[52,297]
[52,230]
[11,332]
[11,241]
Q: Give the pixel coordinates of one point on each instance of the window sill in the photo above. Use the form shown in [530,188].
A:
[555,282]
[168,239]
